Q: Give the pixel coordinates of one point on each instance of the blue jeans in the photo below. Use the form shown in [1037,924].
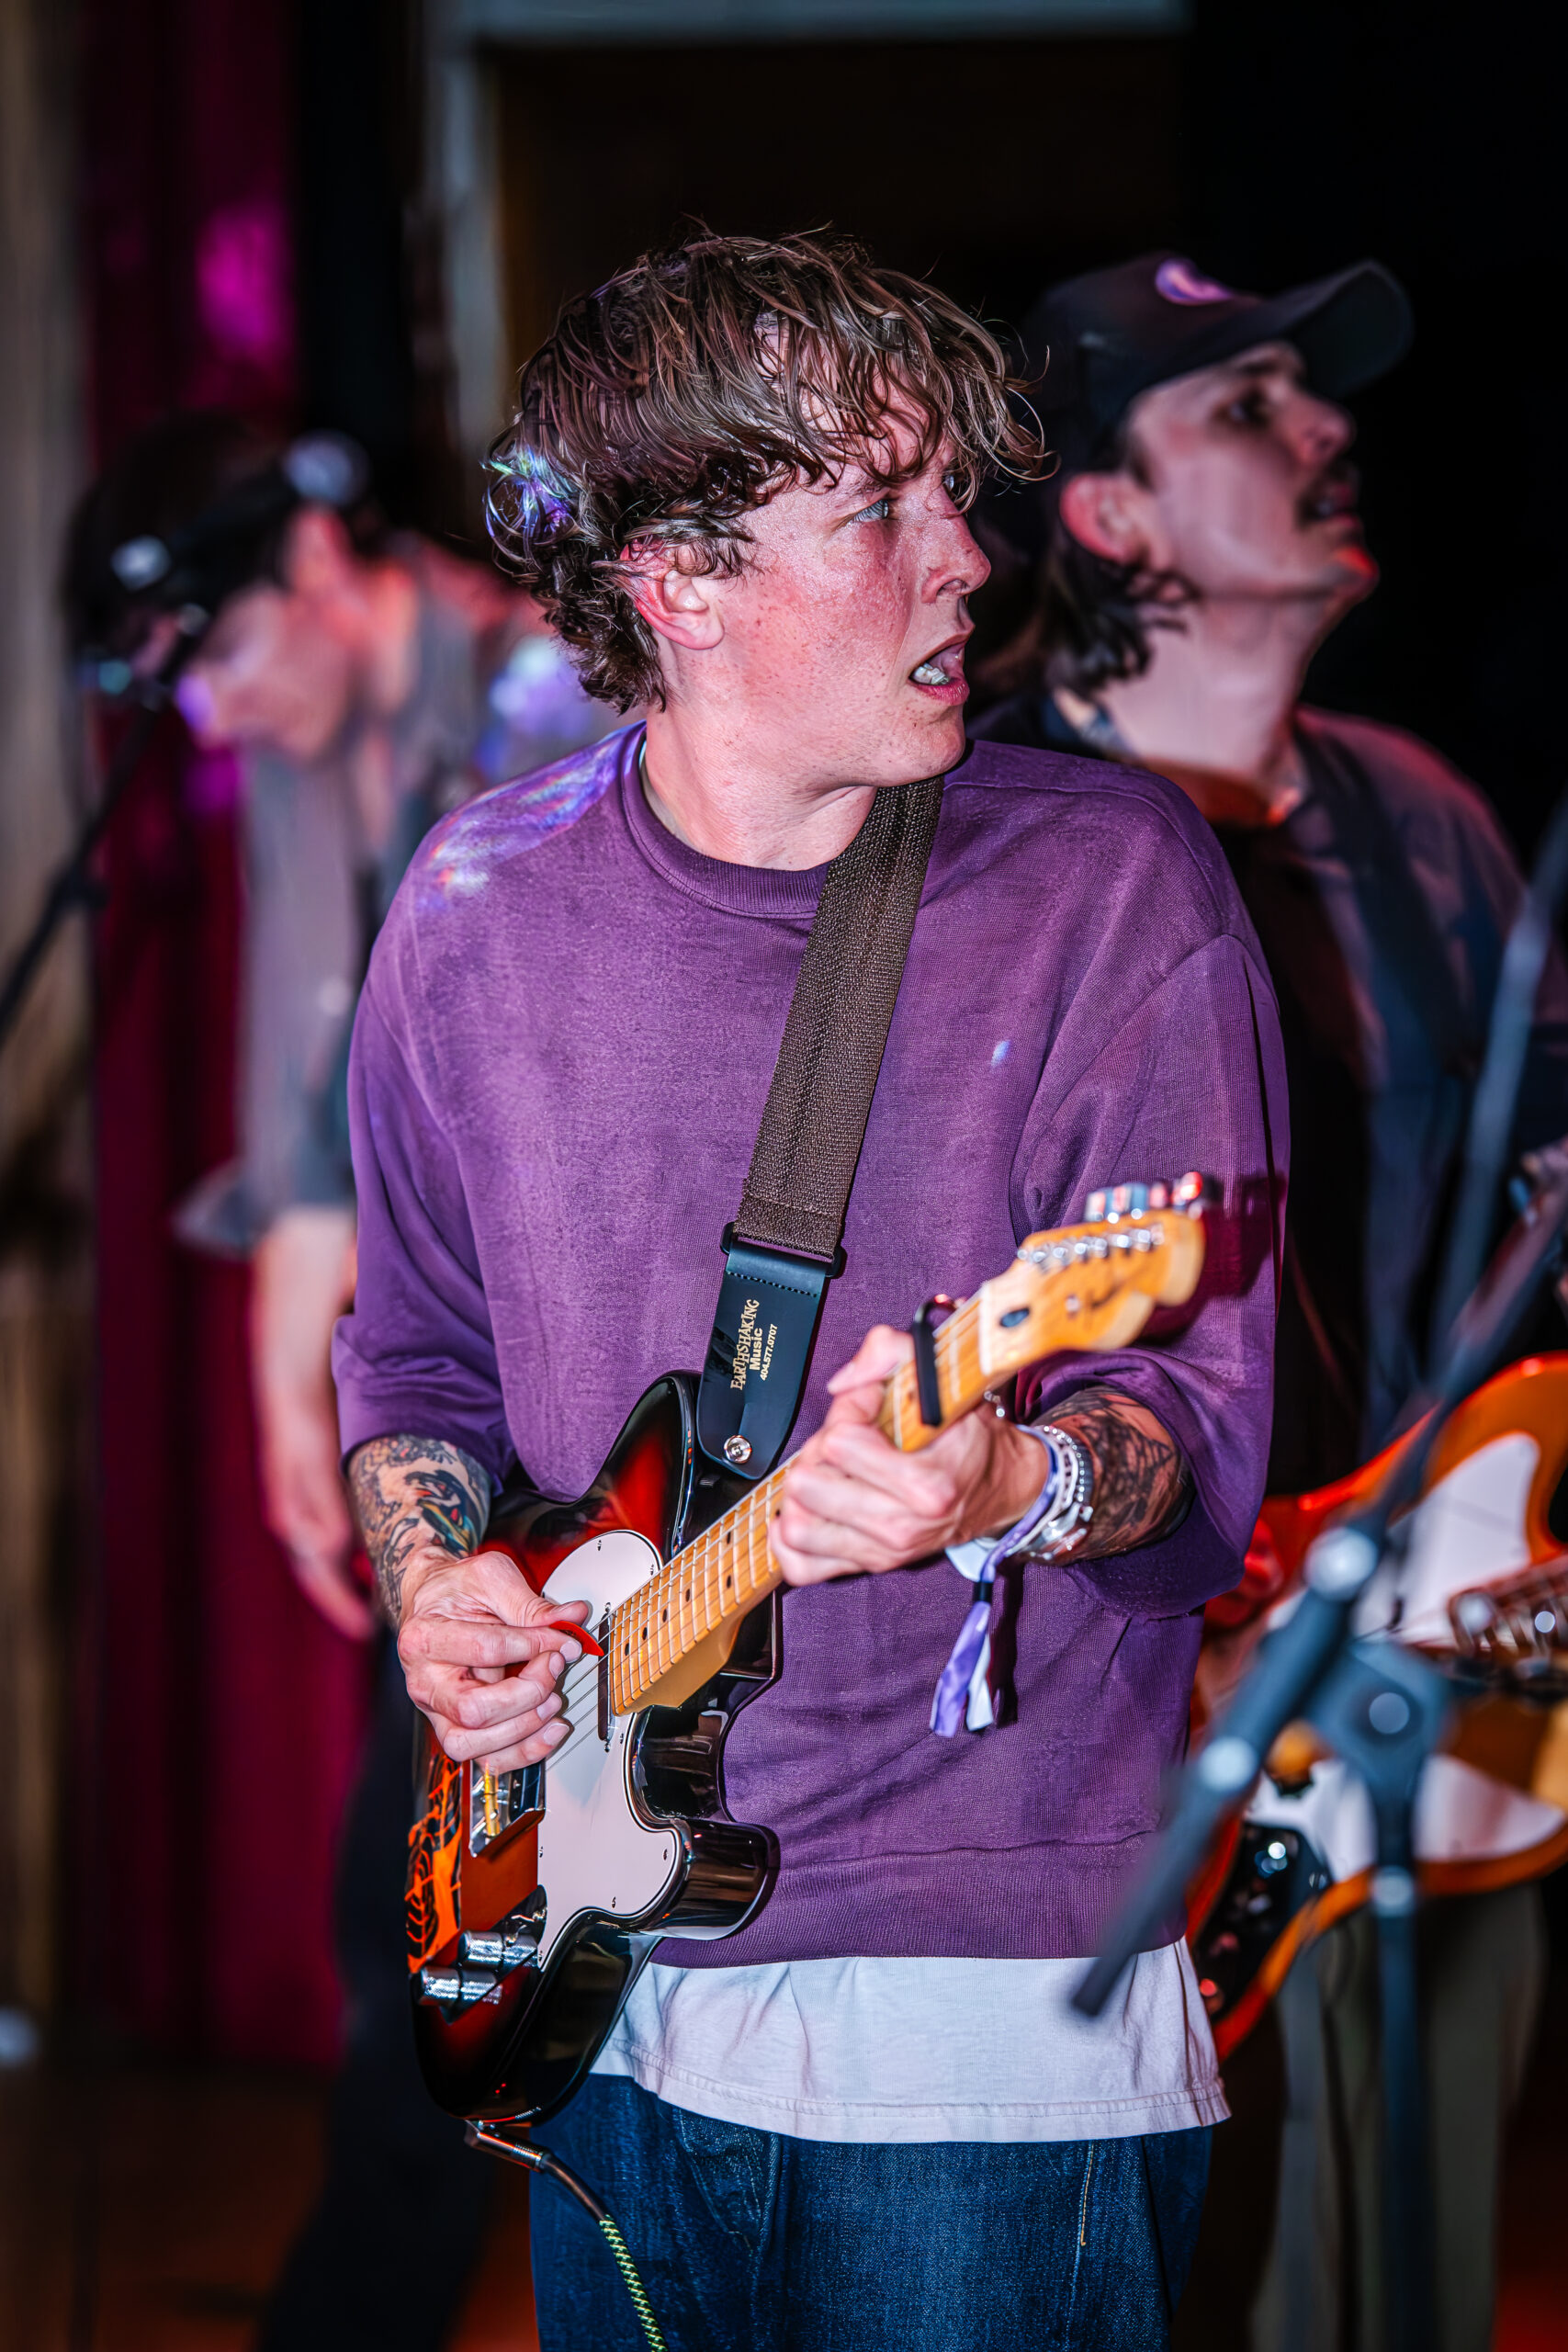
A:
[750,2242]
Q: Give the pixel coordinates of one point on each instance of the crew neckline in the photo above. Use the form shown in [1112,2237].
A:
[731,889]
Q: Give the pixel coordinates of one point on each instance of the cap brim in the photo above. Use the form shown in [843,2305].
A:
[1350,329]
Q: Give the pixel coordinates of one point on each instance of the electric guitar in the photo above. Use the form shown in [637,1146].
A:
[1485,1592]
[535,1897]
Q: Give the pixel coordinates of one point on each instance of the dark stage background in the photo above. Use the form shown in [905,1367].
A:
[252,234]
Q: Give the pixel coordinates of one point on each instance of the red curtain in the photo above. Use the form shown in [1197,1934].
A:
[225,1716]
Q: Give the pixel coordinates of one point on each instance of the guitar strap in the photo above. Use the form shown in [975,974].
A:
[785,1244]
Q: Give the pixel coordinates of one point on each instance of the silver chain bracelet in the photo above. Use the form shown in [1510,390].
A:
[1072,1506]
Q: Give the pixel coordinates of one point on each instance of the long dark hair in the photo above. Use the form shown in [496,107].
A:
[1092,618]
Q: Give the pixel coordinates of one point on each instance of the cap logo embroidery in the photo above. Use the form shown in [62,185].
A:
[1179,282]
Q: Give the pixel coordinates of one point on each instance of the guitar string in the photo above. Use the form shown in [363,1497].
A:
[705,1551]
[950,1342]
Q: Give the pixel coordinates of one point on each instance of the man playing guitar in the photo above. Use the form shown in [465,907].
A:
[736,482]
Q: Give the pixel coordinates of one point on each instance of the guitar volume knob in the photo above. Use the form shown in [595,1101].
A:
[454,1988]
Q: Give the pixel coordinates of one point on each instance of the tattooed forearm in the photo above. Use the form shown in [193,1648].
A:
[411,1493]
[1141,1483]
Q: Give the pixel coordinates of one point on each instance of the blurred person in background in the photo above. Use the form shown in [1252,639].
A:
[1199,541]
[367,684]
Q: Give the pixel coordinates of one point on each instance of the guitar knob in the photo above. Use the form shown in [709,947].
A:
[449,1987]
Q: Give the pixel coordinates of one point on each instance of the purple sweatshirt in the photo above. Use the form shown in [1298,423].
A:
[559,1065]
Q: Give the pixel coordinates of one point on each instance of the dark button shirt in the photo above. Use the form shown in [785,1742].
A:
[1381,903]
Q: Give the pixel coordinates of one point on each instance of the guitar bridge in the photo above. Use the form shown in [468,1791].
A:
[499,1802]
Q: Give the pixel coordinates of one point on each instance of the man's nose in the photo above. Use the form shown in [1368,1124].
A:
[961,565]
[1322,430]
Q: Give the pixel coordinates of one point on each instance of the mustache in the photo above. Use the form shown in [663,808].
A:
[1337,489]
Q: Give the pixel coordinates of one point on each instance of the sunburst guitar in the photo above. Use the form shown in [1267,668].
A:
[535,1897]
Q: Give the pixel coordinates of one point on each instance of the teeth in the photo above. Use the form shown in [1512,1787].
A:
[931,674]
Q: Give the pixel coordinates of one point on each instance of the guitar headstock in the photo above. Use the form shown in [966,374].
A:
[1095,1285]
[1092,1285]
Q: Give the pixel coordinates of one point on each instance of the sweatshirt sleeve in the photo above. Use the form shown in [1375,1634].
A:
[1192,1078]
[416,1353]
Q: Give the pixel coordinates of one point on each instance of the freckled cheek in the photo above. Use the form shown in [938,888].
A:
[868,615]
[832,628]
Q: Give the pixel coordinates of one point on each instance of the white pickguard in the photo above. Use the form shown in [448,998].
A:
[1461,1815]
[1469,1530]
[594,1853]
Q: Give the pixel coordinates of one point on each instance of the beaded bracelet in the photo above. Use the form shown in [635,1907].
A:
[1069,1504]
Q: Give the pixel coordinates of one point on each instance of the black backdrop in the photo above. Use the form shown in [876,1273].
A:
[1274,142]
[1430,136]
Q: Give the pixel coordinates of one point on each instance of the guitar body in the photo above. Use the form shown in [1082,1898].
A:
[1494,1808]
[530,1914]
[535,1897]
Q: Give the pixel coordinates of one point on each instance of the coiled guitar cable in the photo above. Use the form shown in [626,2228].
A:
[532,2159]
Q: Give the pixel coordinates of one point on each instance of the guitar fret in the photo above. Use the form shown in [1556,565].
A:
[1065,1292]
[738,1560]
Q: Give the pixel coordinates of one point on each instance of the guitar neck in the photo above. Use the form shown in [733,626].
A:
[729,1568]
[1086,1287]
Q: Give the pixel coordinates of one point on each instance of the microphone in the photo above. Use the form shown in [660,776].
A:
[318,469]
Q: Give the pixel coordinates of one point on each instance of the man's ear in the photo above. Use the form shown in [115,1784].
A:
[1102,512]
[317,554]
[679,602]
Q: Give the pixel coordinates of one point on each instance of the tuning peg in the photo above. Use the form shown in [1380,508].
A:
[1195,1193]
[1123,1200]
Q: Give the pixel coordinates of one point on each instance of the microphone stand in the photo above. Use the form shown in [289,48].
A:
[1379,1707]
[72,885]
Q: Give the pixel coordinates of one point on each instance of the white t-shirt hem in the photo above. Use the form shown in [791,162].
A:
[897,2122]
[890,2050]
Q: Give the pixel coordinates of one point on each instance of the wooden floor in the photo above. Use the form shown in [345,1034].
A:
[167,2239]
[1532,2313]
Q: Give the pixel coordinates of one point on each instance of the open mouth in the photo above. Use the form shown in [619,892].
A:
[1332,498]
[941,674]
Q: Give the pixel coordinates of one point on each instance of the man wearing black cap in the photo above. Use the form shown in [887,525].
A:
[1198,542]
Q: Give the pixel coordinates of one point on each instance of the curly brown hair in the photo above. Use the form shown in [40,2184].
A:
[691,388]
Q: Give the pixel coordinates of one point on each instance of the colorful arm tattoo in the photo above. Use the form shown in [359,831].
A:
[410,1491]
